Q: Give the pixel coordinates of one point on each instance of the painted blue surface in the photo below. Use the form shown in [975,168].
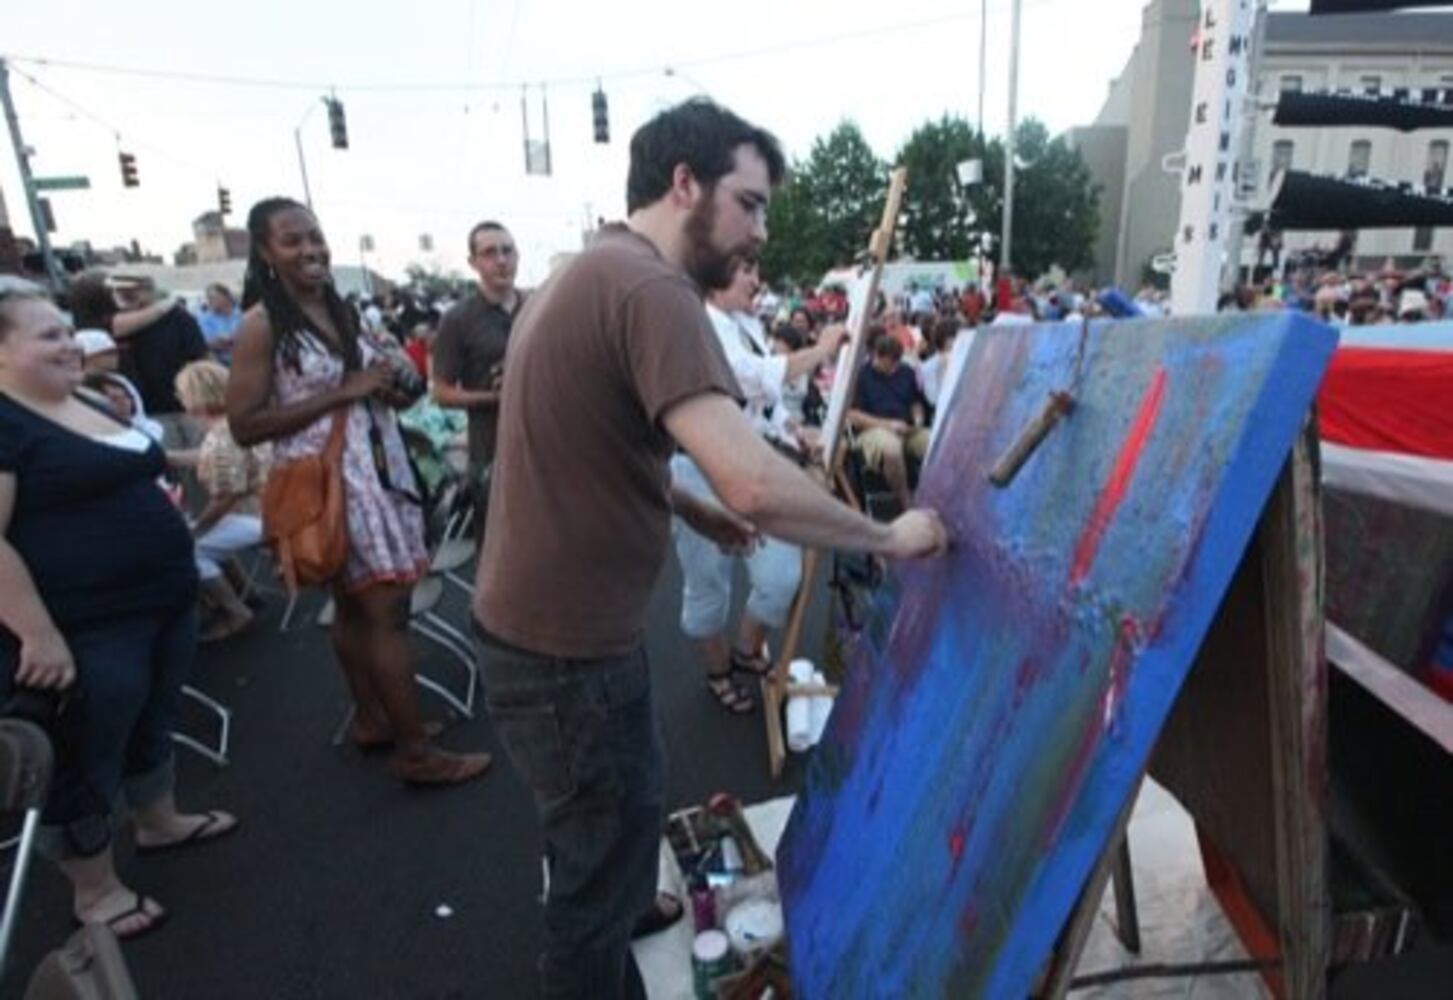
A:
[985,742]
[1407,337]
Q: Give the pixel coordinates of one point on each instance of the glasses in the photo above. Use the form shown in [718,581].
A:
[496,252]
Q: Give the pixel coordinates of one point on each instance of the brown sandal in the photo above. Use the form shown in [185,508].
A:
[728,695]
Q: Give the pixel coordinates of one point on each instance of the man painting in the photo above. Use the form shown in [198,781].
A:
[613,365]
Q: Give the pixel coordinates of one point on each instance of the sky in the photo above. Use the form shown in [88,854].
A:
[432,91]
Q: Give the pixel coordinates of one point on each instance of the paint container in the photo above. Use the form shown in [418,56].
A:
[703,907]
[799,709]
[753,926]
[731,854]
[711,958]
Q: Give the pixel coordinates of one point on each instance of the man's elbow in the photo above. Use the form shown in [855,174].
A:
[747,494]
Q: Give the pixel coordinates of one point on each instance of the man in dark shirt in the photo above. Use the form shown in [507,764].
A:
[470,347]
[888,413]
[156,352]
[612,366]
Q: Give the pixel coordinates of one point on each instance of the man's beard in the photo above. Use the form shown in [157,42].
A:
[707,266]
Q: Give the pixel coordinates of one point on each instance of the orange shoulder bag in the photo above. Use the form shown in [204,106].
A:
[303,517]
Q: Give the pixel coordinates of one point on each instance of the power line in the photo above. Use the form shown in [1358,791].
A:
[113,128]
[587,80]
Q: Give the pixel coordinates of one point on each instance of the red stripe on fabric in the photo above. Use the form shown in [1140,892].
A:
[1389,400]
[1119,482]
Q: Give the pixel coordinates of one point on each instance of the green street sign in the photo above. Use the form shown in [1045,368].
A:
[62,183]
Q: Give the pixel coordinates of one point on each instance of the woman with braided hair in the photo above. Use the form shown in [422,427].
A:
[298,359]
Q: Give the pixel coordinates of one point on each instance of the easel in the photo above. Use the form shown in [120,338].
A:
[778,686]
[1244,752]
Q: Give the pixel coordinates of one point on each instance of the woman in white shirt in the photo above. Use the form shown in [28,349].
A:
[775,567]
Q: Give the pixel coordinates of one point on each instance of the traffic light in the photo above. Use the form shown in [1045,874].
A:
[337,124]
[601,115]
[224,201]
[128,171]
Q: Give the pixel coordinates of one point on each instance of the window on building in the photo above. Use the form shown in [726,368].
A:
[1359,159]
[1291,85]
[1436,172]
[1370,84]
[1281,157]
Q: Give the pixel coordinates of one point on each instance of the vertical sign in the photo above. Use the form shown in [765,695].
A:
[1222,51]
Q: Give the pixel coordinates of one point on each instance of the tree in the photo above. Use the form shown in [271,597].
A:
[1056,204]
[1056,212]
[433,283]
[942,219]
[795,250]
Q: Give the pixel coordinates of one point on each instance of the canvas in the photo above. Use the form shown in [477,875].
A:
[991,728]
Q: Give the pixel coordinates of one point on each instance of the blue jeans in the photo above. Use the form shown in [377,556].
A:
[582,733]
[113,735]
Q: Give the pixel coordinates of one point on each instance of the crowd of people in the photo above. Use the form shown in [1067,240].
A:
[652,394]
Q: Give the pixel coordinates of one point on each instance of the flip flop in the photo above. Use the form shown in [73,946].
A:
[204,832]
[153,920]
[665,911]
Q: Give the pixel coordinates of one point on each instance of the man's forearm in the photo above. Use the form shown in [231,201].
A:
[786,504]
[456,398]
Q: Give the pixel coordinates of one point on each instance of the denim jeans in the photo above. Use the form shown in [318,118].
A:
[113,736]
[582,733]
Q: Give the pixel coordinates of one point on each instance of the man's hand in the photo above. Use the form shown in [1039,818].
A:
[732,534]
[900,427]
[45,662]
[916,534]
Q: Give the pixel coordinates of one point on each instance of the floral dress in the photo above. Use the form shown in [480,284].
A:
[385,523]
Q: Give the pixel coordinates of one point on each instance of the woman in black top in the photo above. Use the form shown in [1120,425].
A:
[97,598]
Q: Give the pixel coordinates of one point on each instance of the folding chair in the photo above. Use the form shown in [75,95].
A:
[216,754]
[427,622]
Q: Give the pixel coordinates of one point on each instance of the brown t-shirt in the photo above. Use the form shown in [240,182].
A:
[579,510]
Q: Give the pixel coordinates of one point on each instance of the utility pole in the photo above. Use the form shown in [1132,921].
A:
[303,165]
[983,57]
[27,180]
[302,162]
[1004,249]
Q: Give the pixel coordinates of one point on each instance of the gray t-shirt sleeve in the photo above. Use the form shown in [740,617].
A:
[445,353]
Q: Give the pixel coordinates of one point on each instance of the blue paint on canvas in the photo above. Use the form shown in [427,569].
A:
[981,750]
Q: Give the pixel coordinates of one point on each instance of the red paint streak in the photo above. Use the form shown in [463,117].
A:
[968,921]
[1094,729]
[956,841]
[1119,483]
[1119,671]
[1026,677]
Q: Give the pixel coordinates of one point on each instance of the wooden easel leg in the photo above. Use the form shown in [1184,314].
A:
[1127,917]
[774,685]
[1055,982]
